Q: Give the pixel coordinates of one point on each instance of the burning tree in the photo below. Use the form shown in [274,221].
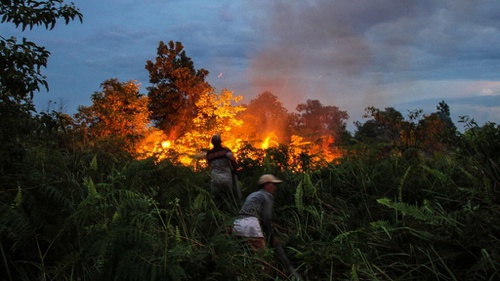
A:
[177,87]
[266,121]
[217,113]
[118,115]
[187,112]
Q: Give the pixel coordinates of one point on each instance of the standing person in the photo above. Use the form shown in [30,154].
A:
[224,185]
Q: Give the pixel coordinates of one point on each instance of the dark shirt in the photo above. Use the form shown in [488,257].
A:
[218,153]
[259,204]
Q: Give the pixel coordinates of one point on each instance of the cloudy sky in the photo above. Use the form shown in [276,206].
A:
[347,53]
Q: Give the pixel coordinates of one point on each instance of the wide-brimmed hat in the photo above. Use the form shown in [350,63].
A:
[268,178]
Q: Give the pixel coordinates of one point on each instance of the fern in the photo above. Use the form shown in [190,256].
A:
[308,186]
[299,204]
[401,184]
[19,197]
[89,183]
[425,214]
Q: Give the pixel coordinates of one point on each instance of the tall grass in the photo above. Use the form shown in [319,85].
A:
[82,215]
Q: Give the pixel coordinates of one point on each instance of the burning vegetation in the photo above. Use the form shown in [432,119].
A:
[185,111]
[264,128]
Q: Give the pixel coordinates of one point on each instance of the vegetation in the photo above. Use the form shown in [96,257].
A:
[176,87]
[403,200]
[85,215]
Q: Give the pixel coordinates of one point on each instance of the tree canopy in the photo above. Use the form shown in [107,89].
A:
[119,113]
[263,115]
[315,121]
[176,88]
[21,63]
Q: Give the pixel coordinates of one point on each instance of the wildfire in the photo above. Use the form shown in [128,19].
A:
[189,151]
[247,141]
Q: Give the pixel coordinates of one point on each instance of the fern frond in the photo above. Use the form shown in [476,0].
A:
[299,204]
[401,184]
[425,214]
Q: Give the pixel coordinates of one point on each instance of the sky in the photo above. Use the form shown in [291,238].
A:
[351,54]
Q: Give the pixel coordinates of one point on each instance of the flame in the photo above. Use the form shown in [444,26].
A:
[184,152]
[271,140]
[190,149]
[166,144]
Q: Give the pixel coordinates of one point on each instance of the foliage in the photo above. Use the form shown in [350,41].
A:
[118,115]
[176,88]
[315,121]
[21,64]
[29,14]
[432,133]
[263,115]
[71,211]
[81,216]
[217,115]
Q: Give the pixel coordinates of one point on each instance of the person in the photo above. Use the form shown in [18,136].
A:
[224,185]
[254,217]
[254,221]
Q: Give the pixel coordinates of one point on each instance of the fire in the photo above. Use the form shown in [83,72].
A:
[270,141]
[189,151]
[247,141]
[166,144]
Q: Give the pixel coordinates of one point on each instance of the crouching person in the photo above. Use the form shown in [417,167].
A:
[254,218]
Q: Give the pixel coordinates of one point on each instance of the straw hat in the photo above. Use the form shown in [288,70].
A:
[268,178]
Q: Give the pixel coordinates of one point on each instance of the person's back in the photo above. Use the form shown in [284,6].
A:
[224,185]
[254,217]
[259,204]
[254,222]
[220,168]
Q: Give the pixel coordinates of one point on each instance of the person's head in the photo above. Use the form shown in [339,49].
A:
[216,140]
[268,182]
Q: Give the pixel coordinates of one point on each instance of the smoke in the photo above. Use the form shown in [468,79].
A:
[355,53]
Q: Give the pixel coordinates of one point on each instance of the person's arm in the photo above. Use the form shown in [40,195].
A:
[266,216]
[232,159]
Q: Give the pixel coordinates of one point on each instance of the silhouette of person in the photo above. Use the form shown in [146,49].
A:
[224,185]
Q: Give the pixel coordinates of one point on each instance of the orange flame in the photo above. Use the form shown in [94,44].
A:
[190,148]
[270,141]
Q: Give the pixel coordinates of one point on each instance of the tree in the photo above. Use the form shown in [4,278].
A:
[315,121]
[118,114]
[217,114]
[177,86]
[21,64]
[265,114]
[383,127]
[437,131]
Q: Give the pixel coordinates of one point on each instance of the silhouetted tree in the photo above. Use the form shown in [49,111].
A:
[436,130]
[177,86]
[383,127]
[314,121]
[20,65]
